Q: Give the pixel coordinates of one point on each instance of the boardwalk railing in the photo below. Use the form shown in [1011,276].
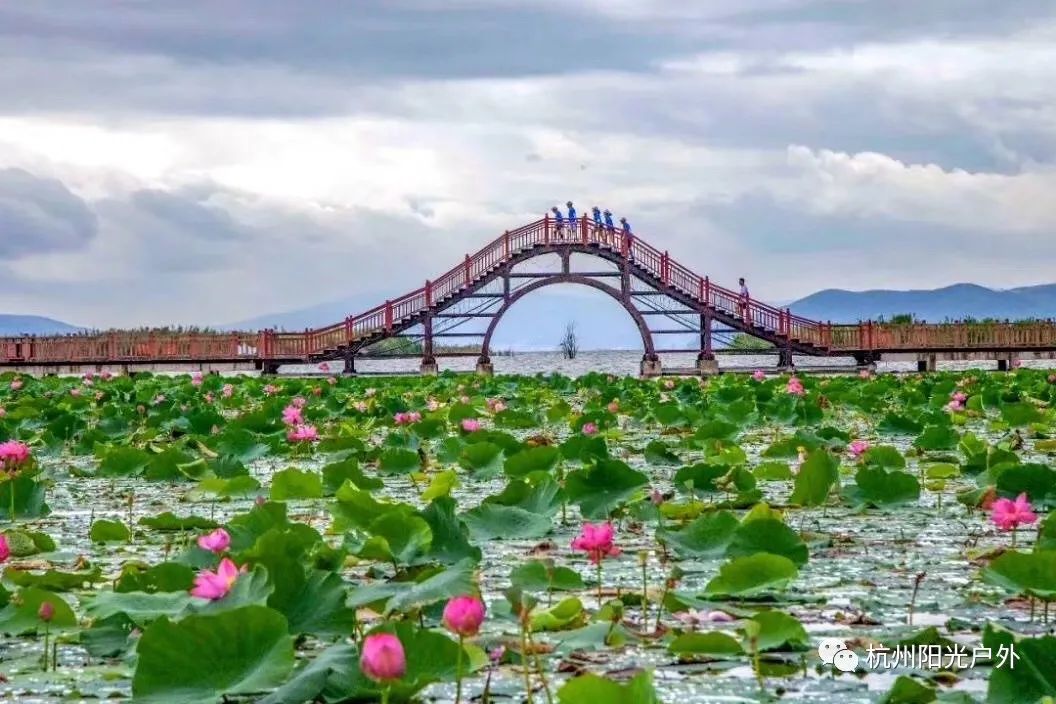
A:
[645,260]
[132,347]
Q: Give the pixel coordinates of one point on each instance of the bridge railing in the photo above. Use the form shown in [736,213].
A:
[130,347]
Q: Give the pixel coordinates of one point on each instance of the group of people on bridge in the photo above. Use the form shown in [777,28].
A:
[602,219]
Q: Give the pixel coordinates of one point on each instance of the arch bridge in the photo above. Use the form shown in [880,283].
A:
[661,296]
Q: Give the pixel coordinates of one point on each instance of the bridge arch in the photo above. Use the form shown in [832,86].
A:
[570,278]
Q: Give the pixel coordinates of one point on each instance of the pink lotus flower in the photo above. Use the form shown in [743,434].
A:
[106,375]
[590,428]
[303,433]
[209,398]
[656,497]
[5,549]
[360,406]
[87,381]
[433,405]
[271,390]
[954,405]
[160,398]
[463,615]
[215,585]
[383,659]
[13,454]
[75,391]
[463,399]
[496,405]
[291,415]
[324,367]
[218,541]
[759,375]
[795,387]
[858,447]
[613,407]
[46,612]
[16,384]
[331,380]
[865,374]
[597,541]
[196,379]
[1008,514]
[669,384]
[407,418]
[299,401]
[959,397]
[227,391]
[470,425]
[3,411]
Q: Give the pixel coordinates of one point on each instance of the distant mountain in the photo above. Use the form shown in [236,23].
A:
[950,303]
[13,325]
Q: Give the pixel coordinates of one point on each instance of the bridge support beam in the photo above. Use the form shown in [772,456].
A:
[350,364]
[927,362]
[650,366]
[484,366]
[707,367]
[429,366]
[784,360]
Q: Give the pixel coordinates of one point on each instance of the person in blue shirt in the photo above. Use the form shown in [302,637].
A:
[597,217]
[608,221]
[626,226]
[558,220]
[571,214]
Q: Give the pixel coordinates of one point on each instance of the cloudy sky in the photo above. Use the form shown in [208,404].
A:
[211,161]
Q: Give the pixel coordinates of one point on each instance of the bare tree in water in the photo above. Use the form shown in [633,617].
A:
[569,344]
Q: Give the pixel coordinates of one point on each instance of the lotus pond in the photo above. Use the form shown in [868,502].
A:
[201,539]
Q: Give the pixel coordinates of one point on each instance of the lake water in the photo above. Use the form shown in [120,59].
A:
[624,363]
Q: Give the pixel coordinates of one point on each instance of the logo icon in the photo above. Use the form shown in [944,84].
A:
[835,652]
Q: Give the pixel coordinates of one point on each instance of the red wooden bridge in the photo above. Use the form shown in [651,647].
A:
[647,282]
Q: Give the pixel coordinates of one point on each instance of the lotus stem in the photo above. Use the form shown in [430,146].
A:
[458,670]
[524,656]
[599,583]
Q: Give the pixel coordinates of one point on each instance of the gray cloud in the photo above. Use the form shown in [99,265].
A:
[40,215]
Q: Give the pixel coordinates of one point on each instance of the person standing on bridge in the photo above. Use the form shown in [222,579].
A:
[745,297]
[609,225]
[571,217]
[627,238]
[559,222]
[597,218]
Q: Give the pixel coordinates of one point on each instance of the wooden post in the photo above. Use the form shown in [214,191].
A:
[583,228]
[546,229]
[467,265]
[663,267]
[388,311]
[506,245]
[428,294]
